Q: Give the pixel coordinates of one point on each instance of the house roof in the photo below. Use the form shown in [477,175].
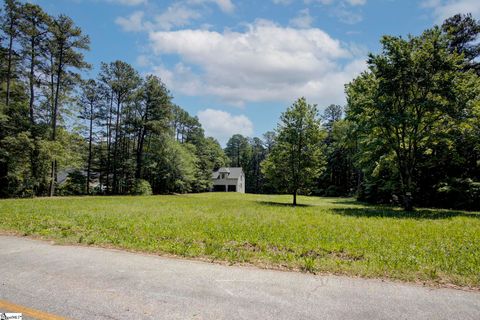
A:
[235,172]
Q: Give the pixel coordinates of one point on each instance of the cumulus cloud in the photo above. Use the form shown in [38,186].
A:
[302,20]
[179,14]
[266,62]
[222,125]
[443,9]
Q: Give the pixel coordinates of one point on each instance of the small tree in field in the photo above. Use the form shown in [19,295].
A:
[296,160]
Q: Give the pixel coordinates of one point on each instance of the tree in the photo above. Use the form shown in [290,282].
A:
[462,32]
[173,166]
[339,177]
[122,80]
[33,25]
[414,90]
[66,44]
[297,159]
[238,150]
[254,180]
[332,114]
[34,28]
[154,116]
[91,101]
[10,23]
[269,138]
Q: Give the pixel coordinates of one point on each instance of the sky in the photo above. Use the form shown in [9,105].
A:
[238,64]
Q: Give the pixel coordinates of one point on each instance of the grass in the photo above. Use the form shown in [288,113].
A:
[322,235]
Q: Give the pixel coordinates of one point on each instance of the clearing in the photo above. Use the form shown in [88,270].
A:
[326,235]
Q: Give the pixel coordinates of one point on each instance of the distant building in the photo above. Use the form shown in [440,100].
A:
[228,180]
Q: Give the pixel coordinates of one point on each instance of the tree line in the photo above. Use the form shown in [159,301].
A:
[408,135]
[119,129]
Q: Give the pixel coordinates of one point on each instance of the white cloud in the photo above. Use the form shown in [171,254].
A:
[266,62]
[177,15]
[346,15]
[143,61]
[134,22]
[224,5]
[302,20]
[222,125]
[443,9]
[128,2]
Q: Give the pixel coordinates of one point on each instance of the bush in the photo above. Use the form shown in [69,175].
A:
[458,194]
[142,188]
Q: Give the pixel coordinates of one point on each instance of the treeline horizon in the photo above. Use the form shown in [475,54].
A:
[408,135]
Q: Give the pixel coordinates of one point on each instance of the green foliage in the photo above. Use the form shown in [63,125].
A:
[248,153]
[411,134]
[296,159]
[400,119]
[142,188]
[173,167]
[73,185]
[463,31]
[458,193]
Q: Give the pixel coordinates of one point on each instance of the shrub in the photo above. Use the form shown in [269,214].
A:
[142,187]
[458,194]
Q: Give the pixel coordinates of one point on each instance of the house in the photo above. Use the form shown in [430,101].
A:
[228,180]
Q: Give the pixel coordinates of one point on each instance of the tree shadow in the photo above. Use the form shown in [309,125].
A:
[283,204]
[349,202]
[420,214]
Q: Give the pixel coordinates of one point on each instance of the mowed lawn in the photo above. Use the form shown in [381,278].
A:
[321,235]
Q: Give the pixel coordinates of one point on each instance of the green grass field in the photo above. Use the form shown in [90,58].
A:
[321,235]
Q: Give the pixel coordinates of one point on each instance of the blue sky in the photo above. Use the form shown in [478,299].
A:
[237,64]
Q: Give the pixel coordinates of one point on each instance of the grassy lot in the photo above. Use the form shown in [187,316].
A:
[322,235]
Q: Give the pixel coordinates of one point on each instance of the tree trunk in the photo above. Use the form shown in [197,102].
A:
[54,121]
[32,79]
[89,165]
[294,198]
[138,173]
[115,148]
[9,63]
[109,143]
[407,195]
[141,141]
[34,153]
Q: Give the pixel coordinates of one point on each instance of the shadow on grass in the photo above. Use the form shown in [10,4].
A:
[428,214]
[283,204]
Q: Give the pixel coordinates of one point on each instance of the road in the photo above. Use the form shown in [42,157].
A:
[93,283]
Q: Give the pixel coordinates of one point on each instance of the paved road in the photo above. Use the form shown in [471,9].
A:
[92,283]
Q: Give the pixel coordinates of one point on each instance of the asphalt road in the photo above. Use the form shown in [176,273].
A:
[92,283]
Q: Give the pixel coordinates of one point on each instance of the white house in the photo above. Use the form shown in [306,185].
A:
[229,180]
